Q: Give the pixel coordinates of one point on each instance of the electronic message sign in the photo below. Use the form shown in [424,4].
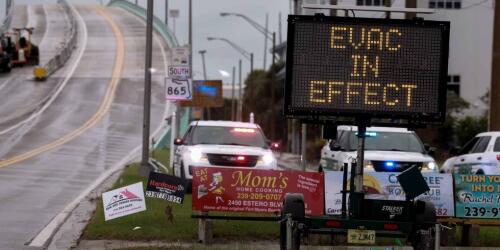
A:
[379,68]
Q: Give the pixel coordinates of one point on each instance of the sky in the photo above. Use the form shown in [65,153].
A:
[208,22]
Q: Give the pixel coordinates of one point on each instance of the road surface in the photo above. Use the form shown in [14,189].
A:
[95,121]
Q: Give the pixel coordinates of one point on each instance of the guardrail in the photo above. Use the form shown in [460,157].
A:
[63,55]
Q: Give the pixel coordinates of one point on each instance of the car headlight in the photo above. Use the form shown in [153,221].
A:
[267,158]
[429,166]
[197,156]
[368,165]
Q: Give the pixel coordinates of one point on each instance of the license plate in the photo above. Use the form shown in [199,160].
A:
[365,237]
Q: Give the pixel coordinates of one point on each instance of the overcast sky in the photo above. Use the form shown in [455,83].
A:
[208,22]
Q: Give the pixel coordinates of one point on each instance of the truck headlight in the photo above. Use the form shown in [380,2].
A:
[429,166]
[197,156]
[267,158]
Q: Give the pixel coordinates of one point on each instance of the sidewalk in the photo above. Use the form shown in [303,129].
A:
[291,161]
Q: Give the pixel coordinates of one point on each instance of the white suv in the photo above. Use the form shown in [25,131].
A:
[386,150]
[481,155]
[223,144]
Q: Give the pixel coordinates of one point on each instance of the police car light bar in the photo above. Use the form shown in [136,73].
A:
[369,8]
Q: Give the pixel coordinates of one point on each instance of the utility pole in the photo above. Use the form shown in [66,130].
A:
[410,4]
[279,29]
[251,62]
[145,167]
[233,101]
[494,115]
[387,3]
[202,53]
[333,12]
[166,13]
[273,102]
[240,101]
[265,42]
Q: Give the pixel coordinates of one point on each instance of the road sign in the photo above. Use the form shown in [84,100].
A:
[178,71]
[180,56]
[174,13]
[178,89]
[382,68]
[206,94]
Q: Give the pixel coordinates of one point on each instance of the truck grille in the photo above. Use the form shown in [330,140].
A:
[380,166]
[232,160]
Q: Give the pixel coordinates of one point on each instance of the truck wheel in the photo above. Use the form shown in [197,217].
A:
[293,204]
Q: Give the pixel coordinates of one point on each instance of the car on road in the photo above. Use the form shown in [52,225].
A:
[386,150]
[480,155]
[223,144]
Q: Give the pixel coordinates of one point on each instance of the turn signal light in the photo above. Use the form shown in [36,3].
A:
[333,223]
[498,157]
[391,227]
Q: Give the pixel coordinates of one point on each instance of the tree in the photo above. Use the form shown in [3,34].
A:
[257,98]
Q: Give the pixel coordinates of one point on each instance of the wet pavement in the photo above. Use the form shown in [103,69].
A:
[47,173]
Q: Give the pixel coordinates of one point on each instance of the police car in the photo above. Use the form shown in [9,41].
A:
[386,150]
[481,155]
[223,144]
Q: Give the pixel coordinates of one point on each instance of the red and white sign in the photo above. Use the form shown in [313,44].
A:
[123,201]
[248,190]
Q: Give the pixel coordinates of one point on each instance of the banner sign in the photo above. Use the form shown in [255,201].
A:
[477,196]
[248,190]
[167,187]
[385,186]
[123,201]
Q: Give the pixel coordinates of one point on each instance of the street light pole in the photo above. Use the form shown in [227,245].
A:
[240,101]
[147,87]
[233,103]
[202,53]
[265,42]
[166,13]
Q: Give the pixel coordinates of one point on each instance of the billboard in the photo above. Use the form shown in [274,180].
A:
[477,196]
[359,66]
[206,94]
[234,189]
[385,186]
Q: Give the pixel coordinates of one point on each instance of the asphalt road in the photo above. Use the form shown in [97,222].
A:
[94,122]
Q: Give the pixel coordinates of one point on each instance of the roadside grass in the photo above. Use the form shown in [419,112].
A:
[154,225]
[162,155]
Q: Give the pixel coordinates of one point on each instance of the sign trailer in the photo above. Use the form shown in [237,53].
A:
[365,70]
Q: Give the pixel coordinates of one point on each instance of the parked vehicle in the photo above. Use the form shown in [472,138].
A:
[222,144]
[481,155]
[386,150]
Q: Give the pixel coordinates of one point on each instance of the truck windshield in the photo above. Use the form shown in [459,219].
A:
[388,141]
[228,136]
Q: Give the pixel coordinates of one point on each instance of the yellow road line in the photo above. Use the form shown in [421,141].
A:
[101,111]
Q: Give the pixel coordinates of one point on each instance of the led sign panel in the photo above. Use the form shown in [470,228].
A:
[383,68]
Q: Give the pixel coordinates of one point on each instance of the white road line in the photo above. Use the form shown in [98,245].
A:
[70,73]
[48,231]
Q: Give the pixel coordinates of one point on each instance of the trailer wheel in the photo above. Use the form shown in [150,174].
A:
[293,204]
[423,240]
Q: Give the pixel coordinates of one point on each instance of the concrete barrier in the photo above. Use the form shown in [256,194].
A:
[41,72]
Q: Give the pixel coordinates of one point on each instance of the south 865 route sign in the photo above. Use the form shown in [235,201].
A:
[178,89]
[383,68]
